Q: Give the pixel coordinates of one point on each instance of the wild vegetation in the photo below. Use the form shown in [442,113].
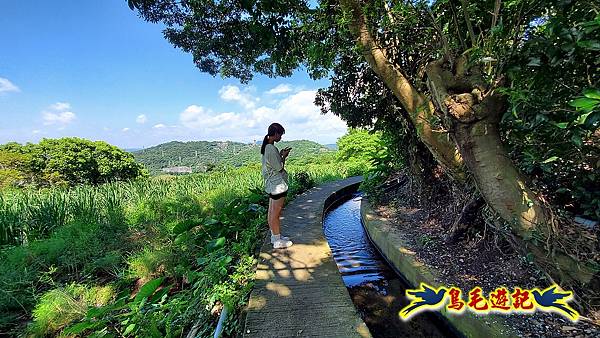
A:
[67,161]
[156,256]
[494,102]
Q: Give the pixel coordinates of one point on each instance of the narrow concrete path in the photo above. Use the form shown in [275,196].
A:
[299,291]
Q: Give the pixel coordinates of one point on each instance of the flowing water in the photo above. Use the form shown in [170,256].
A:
[376,290]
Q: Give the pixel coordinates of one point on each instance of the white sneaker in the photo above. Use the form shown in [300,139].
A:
[281,244]
[282,237]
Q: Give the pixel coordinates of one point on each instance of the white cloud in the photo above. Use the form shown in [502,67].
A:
[279,89]
[300,107]
[159,126]
[303,120]
[124,129]
[60,106]
[192,116]
[233,93]
[37,131]
[296,112]
[7,86]
[58,114]
[141,119]
[197,117]
[61,118]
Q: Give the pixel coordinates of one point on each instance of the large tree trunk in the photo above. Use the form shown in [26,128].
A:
[472,118]
[420,109]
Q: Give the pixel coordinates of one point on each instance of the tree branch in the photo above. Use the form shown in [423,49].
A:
[468,21]
[419,107]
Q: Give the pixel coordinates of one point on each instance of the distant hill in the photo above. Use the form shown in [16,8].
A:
[201,156]
[332,146]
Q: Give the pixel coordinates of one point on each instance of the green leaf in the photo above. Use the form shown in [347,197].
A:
[159,294]
[181,238]
[583,102]
[211,221]
[129,329]
[592,119]
[577,140]
[154,331]
[592,93]
[148,289]
[534,62]
[226,260]
[216,244]
[551,159]
[80,327]
[562,125]
[583,117]
[589,44]
[184,226]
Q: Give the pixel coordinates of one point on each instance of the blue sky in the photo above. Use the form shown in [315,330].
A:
[93,69]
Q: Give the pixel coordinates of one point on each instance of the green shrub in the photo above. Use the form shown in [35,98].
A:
[148,263]
[304,181]
[59,307]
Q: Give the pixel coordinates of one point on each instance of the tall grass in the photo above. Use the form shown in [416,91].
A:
[33,214]
[134,231]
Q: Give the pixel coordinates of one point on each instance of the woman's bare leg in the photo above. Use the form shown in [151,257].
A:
[271,216]
[276,211]
[269,212]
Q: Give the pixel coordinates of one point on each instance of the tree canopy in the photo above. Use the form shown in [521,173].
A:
[503,95]
[65,161]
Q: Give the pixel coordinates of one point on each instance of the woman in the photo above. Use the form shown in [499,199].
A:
[276,181]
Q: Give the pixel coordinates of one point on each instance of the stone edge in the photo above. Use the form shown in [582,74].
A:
[396,252]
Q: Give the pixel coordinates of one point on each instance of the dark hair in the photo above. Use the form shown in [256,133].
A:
[273,128]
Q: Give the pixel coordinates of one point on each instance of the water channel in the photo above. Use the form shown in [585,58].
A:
[377,291]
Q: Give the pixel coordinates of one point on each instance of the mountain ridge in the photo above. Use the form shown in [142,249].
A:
[201,156]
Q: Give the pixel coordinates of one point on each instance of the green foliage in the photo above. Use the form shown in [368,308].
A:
[383,165]
[148,263]
[304,181]
[13,168]
[197,233]
[554,108]
[75,252]
[59,307]
[363,152]
[359,145]
[136,316]
[65,162]
[268,27]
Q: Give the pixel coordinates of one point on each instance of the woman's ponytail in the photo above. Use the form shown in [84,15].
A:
[273,129]
[264,144]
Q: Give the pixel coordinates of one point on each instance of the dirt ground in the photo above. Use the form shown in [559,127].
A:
[479,259]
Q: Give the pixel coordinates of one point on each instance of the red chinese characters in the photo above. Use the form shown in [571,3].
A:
[476,301]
